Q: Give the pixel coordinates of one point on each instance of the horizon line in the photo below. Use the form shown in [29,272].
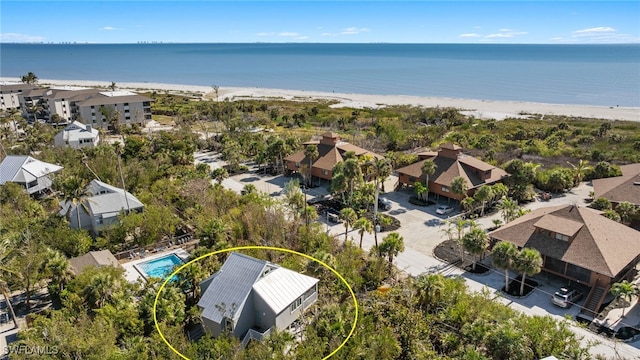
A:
[297,43]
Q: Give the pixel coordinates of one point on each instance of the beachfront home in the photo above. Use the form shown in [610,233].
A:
[93,258]
[330,152]
[620,188]
[9,94]
[34,175]
[579,245]
[450,163]
[77,135]
[100,207]
[32,104]
[61,102]
[249,297]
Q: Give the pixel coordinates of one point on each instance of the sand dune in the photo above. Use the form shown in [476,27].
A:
[486,109]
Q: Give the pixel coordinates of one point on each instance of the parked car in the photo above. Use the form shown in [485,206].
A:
[566,297]
[384,203]
[444,209]
[333,216]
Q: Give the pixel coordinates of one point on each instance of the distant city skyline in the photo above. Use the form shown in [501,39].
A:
[521,22]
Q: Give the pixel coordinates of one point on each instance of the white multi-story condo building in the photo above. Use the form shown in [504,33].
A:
[9,93]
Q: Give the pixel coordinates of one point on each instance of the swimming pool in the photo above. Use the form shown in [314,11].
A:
[160,267]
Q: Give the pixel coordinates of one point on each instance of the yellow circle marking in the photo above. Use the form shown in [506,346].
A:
[166,281]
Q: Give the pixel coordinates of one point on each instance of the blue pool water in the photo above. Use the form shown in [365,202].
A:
[161,267]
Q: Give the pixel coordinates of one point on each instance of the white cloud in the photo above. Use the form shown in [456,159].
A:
[353,31]
[266,34]
[557,38]
[498,35]
[15,37]
[469,35]
[505,30]
[292,34]
[593,31]
[328,34]
[108,28]
[603,34]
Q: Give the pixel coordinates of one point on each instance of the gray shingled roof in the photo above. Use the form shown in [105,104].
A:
[111,202]
[231,286]
[93,258]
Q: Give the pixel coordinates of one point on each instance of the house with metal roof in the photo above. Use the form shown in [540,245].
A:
[100,207]
[620,188]
[578,244]
[34,175]
[450,163]
[330,152]
[249,297]
[77,135]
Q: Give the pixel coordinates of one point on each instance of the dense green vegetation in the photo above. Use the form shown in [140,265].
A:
[430,317]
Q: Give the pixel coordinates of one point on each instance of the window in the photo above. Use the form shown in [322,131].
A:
[297,164]
[126,104]
[562,237]
[296,304]
[412,179]
[445,188]
[325,172]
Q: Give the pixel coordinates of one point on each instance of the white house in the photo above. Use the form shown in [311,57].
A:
[100,208]
[77,135]
[31,173]
[249,297]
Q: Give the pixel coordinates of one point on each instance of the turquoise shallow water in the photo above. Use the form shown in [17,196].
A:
[161,267]
[605,75]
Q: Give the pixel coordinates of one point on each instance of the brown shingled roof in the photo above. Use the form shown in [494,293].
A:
[93,258]
[600,244]
[620,188]
[329,155]
[447,169]
[13,87]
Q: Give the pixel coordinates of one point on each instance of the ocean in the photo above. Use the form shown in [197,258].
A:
[606,75]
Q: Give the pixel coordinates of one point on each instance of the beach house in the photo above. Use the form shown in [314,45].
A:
[77,135]
[620,188]
[100,207]
[93,258]
[330,152]
[450,163]
[249,297]
[34,175]
[577,244]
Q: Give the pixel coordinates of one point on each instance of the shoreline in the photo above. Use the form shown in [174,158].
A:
[484,109]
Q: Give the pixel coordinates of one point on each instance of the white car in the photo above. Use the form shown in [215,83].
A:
[444,209]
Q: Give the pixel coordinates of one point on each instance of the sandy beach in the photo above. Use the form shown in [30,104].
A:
[485,109]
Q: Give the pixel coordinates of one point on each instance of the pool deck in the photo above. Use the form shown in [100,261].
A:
[131,271]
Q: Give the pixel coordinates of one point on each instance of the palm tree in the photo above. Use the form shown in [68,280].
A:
[59,268]
[112,86]
[429,289]
[6,252]
[579,171]
[352,172]
[420,190]
[459,225]
[219,174]
[378,170]
[509,209]
[476,242]
[624,290]
[30,78]
[428,168]
[503,256]
[484,194]
[626,210]
[311,153]
[75,197]
[459,186]
[499,190]
[363,225]
[391,246]
[349,216]
[468,204]
[527,262]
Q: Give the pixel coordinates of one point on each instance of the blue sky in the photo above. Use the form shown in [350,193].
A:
[321,21]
